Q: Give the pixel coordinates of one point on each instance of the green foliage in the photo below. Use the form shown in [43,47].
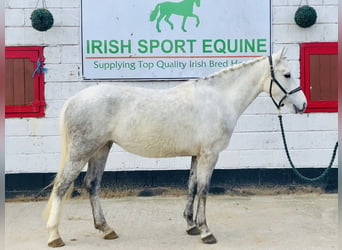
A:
[305,16]
[42,19]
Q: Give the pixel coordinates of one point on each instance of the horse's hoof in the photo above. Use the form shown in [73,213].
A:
[209,239]
[111,235]
[56,243]
[194,230]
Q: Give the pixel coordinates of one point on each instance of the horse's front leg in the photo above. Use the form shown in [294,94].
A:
[189,209]
[92,182]
[158,22]
[205,167]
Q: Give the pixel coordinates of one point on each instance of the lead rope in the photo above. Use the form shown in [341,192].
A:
[318,178]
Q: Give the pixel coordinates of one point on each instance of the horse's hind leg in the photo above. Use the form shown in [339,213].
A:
[62,184]
[189,209]
[92,181]
[161,16]
[167,19]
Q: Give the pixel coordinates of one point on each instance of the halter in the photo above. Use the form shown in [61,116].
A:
[273,79]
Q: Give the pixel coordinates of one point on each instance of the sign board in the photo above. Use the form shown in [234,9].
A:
[172,39]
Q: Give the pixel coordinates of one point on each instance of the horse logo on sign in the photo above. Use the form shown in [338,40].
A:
[166,9]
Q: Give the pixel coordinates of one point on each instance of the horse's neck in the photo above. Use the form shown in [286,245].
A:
[240,85]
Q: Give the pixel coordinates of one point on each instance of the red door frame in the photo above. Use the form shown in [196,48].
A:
[37,107]
[306,50]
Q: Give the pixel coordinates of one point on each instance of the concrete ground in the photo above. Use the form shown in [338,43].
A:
[303,222]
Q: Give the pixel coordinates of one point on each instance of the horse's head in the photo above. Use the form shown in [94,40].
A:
[283,88]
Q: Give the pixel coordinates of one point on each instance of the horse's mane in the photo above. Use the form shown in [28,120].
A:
[234,68]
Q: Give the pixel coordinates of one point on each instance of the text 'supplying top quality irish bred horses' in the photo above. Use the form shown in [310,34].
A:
[196,119]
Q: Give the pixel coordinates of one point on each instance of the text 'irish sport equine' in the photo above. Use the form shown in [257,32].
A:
[195,118]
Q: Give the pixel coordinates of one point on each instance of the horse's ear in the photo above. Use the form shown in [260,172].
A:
[283,52]
[280,55]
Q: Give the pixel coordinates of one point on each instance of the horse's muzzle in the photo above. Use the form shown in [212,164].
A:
[299,110]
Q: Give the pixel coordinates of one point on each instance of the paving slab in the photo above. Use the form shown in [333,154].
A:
[303,222]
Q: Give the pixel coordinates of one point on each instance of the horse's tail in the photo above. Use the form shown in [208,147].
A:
[64,152]
[154,13]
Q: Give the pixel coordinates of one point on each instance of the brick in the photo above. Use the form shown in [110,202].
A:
[23,145]
[311,122]
[50,144]
[71,54]
[11,4]
[20,36]
[43,163]
[281,33]
[61,35]
[279,2]
[228,159]
[330,33]
[255,140]
[331,2]
[62,72]
[63,3]
[298,34]
[120,161]
[256,159]
[16,126]
[54,108]
[327,14]
[68,17]
[52,54]
[283,14]
[61,91]
[315,2]
[180,163]
[306,158]
[14,17]
[256,123]
[16,164]
[43,127]
[311,139]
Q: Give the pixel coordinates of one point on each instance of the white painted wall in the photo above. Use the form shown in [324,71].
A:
[32,144]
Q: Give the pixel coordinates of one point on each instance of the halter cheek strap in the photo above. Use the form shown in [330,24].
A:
[274,80]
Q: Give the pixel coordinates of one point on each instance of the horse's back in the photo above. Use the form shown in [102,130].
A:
[129,116]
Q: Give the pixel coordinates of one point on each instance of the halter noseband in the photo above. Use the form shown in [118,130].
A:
[273,79]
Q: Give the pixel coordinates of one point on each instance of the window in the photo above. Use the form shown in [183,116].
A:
[318,72]
[24,82]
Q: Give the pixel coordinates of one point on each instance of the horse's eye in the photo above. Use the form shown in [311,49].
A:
[287,75]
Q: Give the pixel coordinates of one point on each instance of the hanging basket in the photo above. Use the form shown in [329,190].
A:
[42,19]
[305,16]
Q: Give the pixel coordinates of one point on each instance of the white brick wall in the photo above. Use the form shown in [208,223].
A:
[32,144]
